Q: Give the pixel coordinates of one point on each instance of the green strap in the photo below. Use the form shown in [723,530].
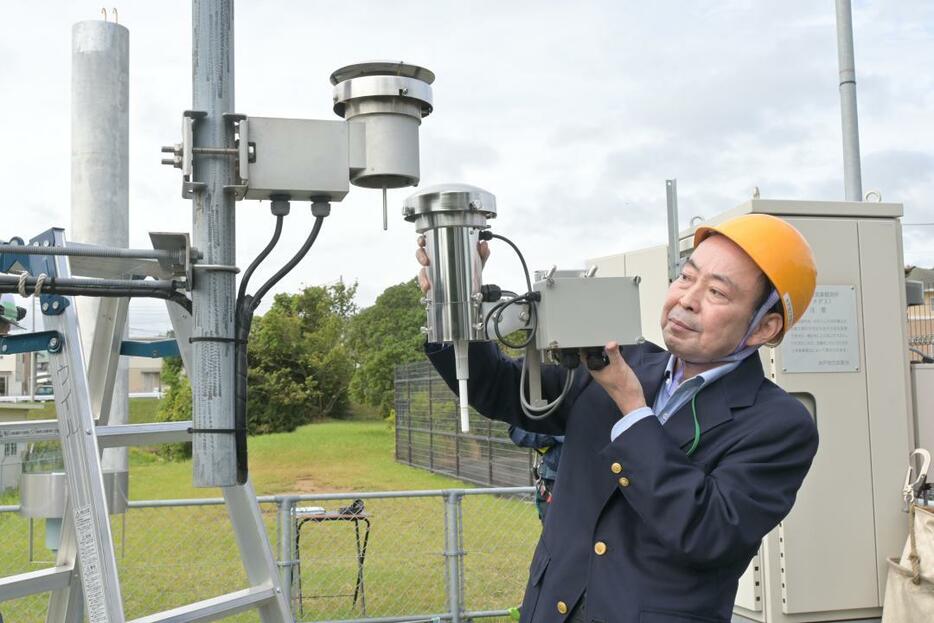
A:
[696,427]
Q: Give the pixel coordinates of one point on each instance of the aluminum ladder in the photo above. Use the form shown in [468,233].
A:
[85,579]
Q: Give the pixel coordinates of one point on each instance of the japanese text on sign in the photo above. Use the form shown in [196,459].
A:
[826,338]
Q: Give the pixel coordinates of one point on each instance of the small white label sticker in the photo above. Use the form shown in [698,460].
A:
[89,561]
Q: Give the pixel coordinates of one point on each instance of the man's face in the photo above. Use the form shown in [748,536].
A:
[709,306]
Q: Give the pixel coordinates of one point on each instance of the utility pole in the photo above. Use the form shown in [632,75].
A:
[852,175]
[213,290]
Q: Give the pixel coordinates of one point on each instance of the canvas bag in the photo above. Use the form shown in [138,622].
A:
[909,587]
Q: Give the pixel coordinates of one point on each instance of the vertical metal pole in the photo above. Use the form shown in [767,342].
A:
[213,294]
[671,193]
[287,554]
[453,553]
[489,450]
[100,183]
[457,450]
[852,175]
[32,358]
[408,420]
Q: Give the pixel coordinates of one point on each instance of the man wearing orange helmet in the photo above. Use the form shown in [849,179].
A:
[676,462]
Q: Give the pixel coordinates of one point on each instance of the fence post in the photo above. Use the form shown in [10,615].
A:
[489,449]
[457,449]
[431,442]
[408,410]
[287,554]
[454,553]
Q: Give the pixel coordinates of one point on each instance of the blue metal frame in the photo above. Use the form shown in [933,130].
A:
[36,265]
[51,341]
[155,350]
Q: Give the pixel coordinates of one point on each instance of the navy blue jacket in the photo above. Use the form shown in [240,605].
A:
[675,532]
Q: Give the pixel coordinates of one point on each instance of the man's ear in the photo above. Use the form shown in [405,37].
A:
[768,331]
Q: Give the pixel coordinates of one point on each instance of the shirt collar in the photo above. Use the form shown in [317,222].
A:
[674,379]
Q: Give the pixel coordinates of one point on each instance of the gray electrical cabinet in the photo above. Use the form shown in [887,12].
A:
[847,362]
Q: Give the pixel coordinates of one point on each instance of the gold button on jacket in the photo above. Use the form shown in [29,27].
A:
[616,468]
[562,607]
[624,482]
[599,548]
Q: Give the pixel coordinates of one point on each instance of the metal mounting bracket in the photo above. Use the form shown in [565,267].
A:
[179,242]
[50,341]
[154,350]
[183,153]
[51,304]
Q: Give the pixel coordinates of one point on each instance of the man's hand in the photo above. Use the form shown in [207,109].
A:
[619,381]
[482,248]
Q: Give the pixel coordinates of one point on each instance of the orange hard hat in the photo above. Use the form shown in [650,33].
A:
[780,251]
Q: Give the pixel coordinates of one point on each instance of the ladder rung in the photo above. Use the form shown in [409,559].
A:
[114,436]
[214,608]
[119,435]
[42,581]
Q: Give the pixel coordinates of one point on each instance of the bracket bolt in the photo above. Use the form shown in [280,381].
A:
[524,316]
[45,307]
[53,343]
[55,305]
[4,348]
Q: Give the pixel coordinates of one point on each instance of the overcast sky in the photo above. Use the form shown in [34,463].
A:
[572,113]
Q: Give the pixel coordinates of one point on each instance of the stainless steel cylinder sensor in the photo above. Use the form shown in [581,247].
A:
[390,99]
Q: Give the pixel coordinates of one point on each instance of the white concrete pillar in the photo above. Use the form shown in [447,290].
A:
[100,131]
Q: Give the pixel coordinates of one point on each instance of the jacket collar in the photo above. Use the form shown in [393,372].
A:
[715,402]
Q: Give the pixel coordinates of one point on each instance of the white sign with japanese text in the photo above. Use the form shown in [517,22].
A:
[826,338]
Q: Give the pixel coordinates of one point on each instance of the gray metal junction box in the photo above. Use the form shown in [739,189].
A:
[582,312]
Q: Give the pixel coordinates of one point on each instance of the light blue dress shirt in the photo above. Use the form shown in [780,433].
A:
[673,395]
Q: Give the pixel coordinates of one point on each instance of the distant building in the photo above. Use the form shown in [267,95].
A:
[145,375]
[11,452]
[12,375]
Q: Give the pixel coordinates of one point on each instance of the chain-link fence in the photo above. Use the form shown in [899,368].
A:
[428,434]
[391,556]
[921,328]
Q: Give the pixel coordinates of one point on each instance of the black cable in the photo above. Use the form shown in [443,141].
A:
[119,292]
[259,258]
[500,307]
[181,300]
[290,264]
[533,320]
[243,322]
[525,268]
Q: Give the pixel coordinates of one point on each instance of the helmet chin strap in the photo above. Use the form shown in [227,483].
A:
[742,351]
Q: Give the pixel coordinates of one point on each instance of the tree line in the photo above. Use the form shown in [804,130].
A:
[313,355]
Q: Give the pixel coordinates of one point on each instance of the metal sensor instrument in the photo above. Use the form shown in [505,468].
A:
[389,99]
[450,216]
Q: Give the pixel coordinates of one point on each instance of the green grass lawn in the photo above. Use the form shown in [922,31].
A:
[173,556]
